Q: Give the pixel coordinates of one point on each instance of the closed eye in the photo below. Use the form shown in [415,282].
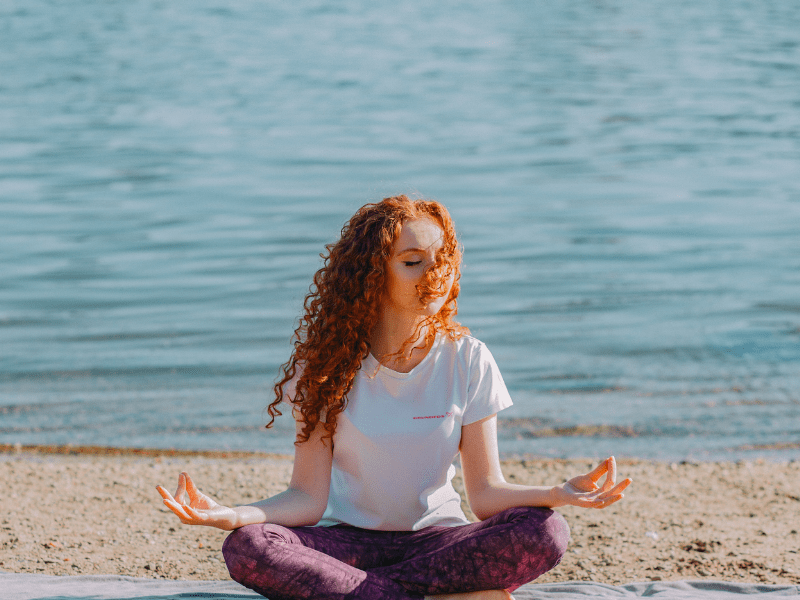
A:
[411,263]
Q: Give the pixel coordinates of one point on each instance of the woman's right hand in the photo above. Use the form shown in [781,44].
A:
[201,509]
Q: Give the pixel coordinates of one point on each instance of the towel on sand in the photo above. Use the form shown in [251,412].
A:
[24,586]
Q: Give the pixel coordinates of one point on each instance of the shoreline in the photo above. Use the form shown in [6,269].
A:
[88,450]
[70,510]
[75,450]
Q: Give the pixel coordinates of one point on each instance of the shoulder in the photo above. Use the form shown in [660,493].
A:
[290,385]
[468,347]
[470,353]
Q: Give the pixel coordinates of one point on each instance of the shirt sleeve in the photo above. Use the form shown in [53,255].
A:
[288,393]
[487,393]
[290,386]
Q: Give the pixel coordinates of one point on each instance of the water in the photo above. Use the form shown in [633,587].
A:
[624,178]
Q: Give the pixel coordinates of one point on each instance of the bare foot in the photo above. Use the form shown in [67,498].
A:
[485,595]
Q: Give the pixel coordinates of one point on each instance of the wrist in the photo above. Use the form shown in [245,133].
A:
[555,497]
[247,515]
[237,518]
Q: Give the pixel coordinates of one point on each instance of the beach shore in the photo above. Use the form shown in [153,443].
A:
[70,511]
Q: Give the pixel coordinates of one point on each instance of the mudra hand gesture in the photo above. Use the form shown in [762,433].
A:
[201,509]
[584,491]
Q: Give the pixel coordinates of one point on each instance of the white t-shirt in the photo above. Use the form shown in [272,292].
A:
[396,440]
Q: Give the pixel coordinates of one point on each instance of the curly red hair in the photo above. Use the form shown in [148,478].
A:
[341,308]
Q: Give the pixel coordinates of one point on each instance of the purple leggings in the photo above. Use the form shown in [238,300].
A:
[343,562]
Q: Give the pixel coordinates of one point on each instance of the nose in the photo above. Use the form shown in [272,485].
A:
[436,276]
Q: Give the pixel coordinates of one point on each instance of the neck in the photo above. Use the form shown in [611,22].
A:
[390,333]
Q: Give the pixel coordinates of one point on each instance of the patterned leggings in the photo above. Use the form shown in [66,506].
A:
[347,563]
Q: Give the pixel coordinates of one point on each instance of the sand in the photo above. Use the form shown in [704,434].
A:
[81,510]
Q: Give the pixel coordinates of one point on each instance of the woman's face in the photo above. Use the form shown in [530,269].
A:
[413,252]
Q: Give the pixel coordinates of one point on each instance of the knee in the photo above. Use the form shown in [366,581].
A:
[240,541]
[547,533]
[239,551]
[556,536]
[537,541]
[249,550]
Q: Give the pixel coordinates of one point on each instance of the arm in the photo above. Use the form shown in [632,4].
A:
[302,503]
[306,498]
[488,493]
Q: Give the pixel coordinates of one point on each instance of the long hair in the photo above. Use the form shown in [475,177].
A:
[342,308]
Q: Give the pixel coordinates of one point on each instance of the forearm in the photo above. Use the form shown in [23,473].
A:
[291,508]
[500,495]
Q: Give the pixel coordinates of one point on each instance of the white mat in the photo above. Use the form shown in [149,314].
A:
[24,586]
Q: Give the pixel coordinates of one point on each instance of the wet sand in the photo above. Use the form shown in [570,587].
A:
[69,511]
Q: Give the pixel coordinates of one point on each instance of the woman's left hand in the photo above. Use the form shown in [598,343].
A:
[585,492]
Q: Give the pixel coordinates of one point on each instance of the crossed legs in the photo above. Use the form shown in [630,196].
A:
[347,563]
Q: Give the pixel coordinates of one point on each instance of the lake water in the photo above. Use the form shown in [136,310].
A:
[625,178]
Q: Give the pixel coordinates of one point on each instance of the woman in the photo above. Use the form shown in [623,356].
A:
[386,389]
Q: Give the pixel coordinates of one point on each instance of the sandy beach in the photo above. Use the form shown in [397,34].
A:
[72,511]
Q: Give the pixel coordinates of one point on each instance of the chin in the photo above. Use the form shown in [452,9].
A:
[432,309]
